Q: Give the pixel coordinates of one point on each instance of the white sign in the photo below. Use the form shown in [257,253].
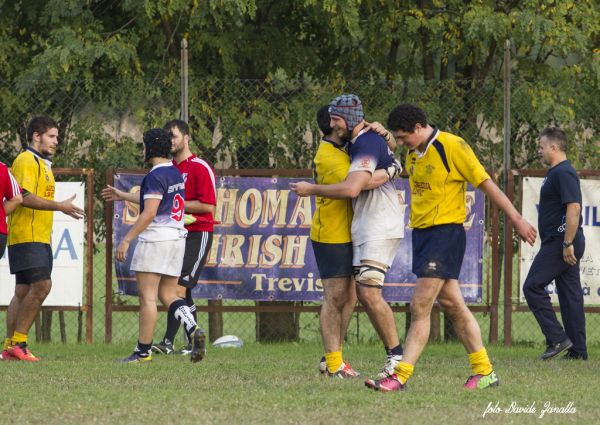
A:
[67,249]
[589,265]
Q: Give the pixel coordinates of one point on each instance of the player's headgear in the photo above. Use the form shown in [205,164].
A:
[348,107]
[157,142]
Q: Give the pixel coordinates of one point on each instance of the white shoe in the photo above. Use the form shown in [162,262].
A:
[388,368]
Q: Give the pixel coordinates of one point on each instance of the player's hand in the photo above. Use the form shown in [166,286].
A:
[110,193]
[67,207]
[301,188]
[378,128]
[121,251]
[569,255]
[525,230]
[394,170]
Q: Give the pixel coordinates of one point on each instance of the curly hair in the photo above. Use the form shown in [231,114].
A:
[157,142]
[405,117]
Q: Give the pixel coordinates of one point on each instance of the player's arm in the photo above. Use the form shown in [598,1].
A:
[349,188]
[378,178]
[67,207]
[11,204]
[378,128]
[197,207]
[523,228]
[12,197]
[572,224]
[110,193]
[144,219]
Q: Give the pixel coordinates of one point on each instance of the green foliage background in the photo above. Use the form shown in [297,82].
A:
[259,69]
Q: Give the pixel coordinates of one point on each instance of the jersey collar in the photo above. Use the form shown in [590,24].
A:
[162,164]
[434,134]
[40,156]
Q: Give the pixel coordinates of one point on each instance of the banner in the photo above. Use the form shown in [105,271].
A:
[67,248]
[589,265]
[262,250]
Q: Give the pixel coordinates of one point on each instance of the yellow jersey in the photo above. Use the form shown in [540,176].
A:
[438,180]
[34,174]
[333,217]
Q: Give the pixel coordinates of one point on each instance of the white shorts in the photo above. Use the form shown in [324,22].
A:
[382,251]
[165,257]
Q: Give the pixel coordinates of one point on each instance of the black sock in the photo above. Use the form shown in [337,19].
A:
[397,350]
[143,350]
[172,322]
[190,302]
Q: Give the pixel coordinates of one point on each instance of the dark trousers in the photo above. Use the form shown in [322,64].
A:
[549,265]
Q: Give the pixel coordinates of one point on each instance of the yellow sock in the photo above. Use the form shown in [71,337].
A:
[7,343]
[19,337]
[480,362]
[403,371]
[334,361]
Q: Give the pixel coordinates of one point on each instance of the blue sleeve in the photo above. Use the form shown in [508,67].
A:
[570,190]
[154,184]
[370,145]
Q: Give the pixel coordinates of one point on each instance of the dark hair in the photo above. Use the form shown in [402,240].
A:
[157,142]
[181,125]
[323,120]
[405,117]
[556,135]
[39,125]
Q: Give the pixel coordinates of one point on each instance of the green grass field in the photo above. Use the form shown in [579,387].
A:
[280,384]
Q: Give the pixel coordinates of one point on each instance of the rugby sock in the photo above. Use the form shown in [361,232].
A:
[397,350]
[334,361]
[7,343]
[189,300]
[18,337]
[404,371]
[172,323]
[480,362]
[184,315]
[143,350]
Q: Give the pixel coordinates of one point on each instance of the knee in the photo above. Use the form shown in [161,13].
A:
[368,276]
[40,290]
[420,309]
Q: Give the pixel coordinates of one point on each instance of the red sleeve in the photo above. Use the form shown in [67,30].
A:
[8,183]
[203,184]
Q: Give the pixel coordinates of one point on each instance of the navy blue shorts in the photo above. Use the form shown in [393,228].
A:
[3,238]
[438,251]
[29,255]
[333,259]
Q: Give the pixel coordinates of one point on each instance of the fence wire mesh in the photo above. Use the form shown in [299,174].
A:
[271,124]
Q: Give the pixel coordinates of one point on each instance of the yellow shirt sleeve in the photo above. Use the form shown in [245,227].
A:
[467,164]
[25,169]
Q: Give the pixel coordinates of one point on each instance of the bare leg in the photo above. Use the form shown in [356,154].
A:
[13,308]
[29,306]
[426,292]
[334,317]
[148,293]
[467,328]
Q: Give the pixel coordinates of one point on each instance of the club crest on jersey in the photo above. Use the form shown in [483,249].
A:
[429,169]
[364,163]
[184,175]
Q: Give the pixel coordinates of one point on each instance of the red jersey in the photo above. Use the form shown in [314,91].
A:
[199,180]
[8,189]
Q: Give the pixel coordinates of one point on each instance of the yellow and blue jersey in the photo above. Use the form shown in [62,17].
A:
[33,172]
[438,180]
[332,219]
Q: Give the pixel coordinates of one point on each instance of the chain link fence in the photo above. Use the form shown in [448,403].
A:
[270,124]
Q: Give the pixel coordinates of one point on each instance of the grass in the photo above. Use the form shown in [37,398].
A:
[279,384]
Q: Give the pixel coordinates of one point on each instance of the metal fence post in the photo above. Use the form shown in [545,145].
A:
[507,243]
[184,81]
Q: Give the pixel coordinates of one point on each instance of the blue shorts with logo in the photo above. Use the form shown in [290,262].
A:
[438,251]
